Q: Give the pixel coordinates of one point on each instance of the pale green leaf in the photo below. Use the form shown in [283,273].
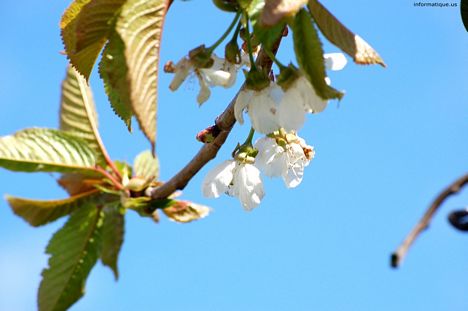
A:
[39,212]
[309,54]
[85,26]
[185,211]
[46,150]
[123,168]
[342,37]
[112,236]
[78,113]
[74,250]
[146,165]
[140,27]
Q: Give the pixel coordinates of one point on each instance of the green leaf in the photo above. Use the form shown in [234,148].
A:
[342,37]
[276,10]
[146,165]
[38,213]
[45,150]
[309,55]
[263,34]
[139,26]
[112,236]
[78,113]
[95,22]
[113,71]
[268,36]
[85,26]
[74,250]
[255,7]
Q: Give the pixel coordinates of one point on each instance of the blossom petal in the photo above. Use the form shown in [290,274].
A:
[250,186]
[292,177]
[271,158]
[242,101]
[222,73]
[262,112]
[204,92]
[217,181]
[291,110]
[335,61]
[313,103]
[182,70]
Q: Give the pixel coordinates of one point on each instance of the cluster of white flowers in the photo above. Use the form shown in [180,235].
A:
[279,155]
[276,112]
[273,108]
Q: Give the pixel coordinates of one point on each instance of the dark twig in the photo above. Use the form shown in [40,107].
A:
[398,256]
[224,122]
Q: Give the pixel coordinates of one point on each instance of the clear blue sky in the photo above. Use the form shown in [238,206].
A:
[397,138]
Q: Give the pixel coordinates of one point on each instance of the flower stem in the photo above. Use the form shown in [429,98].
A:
[248,141]
[249,42]
[226,33]
[236,32]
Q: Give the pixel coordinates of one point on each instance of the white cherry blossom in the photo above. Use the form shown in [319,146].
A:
[302,93]
[235,178]
[221,73]
[268,111]
[262,108]
[287,160]
[272,108]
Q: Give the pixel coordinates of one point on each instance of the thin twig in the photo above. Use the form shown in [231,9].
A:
[398,256]
[111,178]
[225,122]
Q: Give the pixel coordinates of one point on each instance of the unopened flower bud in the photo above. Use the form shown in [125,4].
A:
[227,5]
[209,134]
[169,67]
[137,184]
[232,52]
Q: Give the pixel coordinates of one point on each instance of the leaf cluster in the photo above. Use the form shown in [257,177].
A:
[101,191]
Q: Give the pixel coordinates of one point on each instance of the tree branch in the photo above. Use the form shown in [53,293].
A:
[398,256]
[224,122]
